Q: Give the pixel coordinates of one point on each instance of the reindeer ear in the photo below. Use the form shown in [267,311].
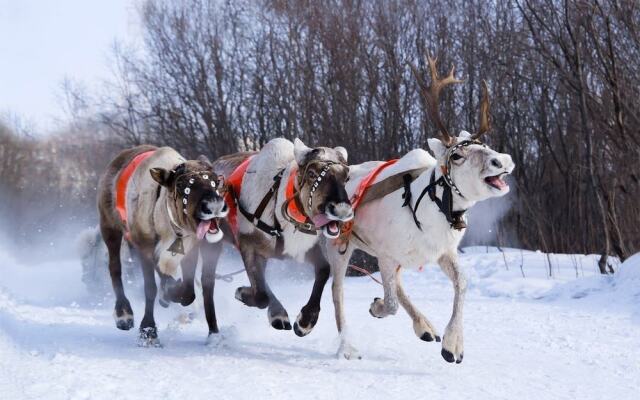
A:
[464,135]
[162,176]
[300,151]
[204,159]
[437,147]
[343,152]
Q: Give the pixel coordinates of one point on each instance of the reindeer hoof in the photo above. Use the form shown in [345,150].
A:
[245,295]
[427,337]
[149,337]
[299,332]
[123,317]
[348,352]
[124,323]
[459,360]
[187,299]
[164,303]
[447,355]
[306,321]
[375,307]
[281,324]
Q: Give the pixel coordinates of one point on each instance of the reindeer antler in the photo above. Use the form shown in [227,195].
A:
[431,95]
[485,116]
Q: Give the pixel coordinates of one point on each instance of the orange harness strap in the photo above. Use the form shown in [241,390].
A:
[121,186]
[367,182]
[293,208]
[235,184]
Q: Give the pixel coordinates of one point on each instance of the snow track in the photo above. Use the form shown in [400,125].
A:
[533,337]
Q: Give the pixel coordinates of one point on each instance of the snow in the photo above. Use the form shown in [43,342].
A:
[572,335]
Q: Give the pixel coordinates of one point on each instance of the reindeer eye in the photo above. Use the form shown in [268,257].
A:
[456,157]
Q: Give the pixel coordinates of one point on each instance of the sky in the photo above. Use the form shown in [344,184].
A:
[42,42]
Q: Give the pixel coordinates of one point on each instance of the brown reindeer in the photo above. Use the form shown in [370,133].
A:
[163,205]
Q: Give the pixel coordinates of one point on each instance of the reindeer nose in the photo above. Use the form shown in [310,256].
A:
[342,210]
[204,207]
[496,163]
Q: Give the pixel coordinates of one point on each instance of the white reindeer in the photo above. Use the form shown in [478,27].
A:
[463,172]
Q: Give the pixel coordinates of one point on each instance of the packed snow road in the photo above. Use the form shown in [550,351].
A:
[533,337]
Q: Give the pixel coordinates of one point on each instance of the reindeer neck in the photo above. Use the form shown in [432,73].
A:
[459,203]
[168,215]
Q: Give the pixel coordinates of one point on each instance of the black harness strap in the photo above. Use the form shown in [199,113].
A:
[407,198]
[254,218]
[455,218]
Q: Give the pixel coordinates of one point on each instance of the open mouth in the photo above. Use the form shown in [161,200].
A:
[332,229]
[210,229]
[497,181]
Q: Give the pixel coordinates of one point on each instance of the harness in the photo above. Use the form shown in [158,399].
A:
[292,209]
[232,197]
[456,219]
[121,188]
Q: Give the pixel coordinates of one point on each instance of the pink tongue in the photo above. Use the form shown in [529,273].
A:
[320,220]
[203,227]
[498,182]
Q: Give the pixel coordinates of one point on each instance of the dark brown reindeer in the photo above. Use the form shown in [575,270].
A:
[163,205]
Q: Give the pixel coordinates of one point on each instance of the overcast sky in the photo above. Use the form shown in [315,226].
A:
[44,41]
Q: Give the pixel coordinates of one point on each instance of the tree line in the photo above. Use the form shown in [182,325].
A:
[216,77]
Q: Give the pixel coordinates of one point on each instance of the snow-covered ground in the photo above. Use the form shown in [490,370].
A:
[574,335]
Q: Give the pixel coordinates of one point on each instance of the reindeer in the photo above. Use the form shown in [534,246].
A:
[404,230]
[163,205]
[283,220]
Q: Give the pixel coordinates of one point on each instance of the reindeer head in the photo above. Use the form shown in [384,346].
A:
[194,202]
[472,169]
[323,172]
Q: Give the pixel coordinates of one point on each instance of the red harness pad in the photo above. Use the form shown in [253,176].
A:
[367,182]
[357,197]
[292,208]
[121,185]
[235,182]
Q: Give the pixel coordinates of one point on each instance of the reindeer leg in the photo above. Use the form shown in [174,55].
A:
[210,255]
[421,325]
[148,329]
[123,314]
[339,264]
[278,317]
[259,294]
[254,295]
[389,306]
[308,316]
[186,294]
[452,343]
